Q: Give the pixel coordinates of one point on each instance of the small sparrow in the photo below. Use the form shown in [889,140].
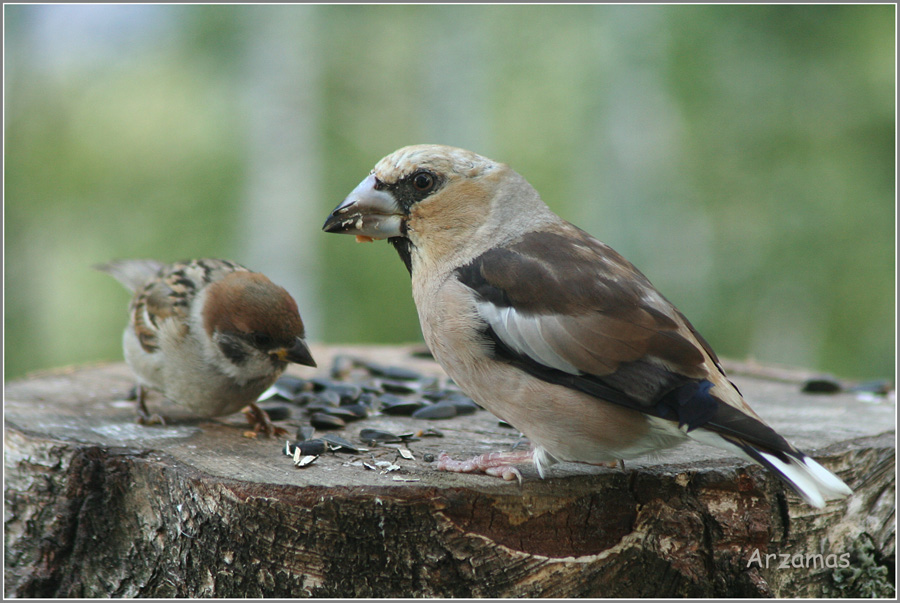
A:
[209,334]
[550,329]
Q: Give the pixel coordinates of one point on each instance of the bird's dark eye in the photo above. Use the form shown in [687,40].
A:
[423,181]
[261,340]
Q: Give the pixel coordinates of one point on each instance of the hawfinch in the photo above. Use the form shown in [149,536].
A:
[549,328]
[209,334]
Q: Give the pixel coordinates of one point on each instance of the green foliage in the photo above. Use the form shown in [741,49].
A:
[741,156]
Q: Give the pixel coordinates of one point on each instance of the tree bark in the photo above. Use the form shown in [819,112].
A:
[98,506]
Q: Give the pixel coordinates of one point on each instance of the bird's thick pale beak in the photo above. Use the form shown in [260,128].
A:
[367,212]
[298,353]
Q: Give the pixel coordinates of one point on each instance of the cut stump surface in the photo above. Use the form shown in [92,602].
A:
[99,506]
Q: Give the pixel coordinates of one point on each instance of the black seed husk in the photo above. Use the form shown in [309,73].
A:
[307,447]
[441,410]
[374,436]
[305,432]
[339,444]
[320,420]
[401,407]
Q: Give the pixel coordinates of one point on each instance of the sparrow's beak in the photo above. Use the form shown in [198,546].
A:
[367,212]
[298,353]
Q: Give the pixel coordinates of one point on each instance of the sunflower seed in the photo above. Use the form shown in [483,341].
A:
[316,446]
[441,410]
[401,387]
[336,443]
[399,406]
[320,420]
[305,432]
[355,411]
[374,436]
[307,460]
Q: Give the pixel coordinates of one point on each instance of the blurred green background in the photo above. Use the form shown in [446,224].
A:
[741,156]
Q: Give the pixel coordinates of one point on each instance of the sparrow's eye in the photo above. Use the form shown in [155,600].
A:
[261,340]
[423,181]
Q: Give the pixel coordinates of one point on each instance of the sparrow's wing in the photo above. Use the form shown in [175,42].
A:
[567,309]
[170,295]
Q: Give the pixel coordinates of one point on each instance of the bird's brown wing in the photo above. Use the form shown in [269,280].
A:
[170,294]
[566,308]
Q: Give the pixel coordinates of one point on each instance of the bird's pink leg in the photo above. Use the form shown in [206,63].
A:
[498,464]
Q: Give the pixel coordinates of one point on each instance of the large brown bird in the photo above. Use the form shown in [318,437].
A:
[550,329]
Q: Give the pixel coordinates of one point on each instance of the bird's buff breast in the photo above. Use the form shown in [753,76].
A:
[570,425]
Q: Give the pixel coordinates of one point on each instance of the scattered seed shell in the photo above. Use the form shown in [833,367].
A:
[337,443]
[316,446]
[307,460]
[407,454]
[348,393]
[342,412]
[464,404]
[400,387]
[374,436]
[305,432]
[330,397]
[319,384]
[341,367]
[391,372]
[401,407]
[441,410]
[369,400]
[291,385]
[822,385]
[373,386]
[305,399]
[357,411]
[320,420]
[271,394]
[422,352]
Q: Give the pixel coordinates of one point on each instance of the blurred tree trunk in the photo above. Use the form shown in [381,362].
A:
[455,108]
[283,208]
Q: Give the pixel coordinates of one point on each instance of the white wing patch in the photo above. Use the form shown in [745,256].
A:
[522,334]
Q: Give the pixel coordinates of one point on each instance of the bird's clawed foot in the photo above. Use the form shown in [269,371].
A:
[259,419]
[498,464]
[144,416]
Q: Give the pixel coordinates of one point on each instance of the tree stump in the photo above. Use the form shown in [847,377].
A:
[98,506]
